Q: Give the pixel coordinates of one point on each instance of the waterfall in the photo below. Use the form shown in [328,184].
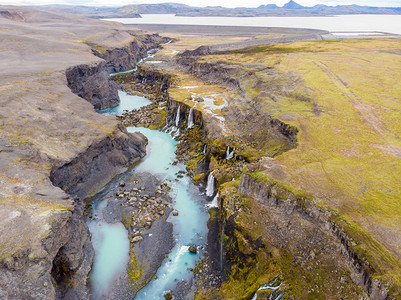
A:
[204,149]
[223,225]
[191,118]
[270,286]
[229,155]
[177,118]
[214,202]
[210,185]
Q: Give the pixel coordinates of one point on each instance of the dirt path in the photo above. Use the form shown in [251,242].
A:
[364,110]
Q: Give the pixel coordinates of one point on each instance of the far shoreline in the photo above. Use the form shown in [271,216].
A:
[344,23]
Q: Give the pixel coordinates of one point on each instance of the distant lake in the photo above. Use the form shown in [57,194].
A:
[344,23]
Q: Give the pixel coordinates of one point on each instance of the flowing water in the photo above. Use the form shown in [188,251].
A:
[111,245]
[210,185]
[177,117]
[191,118]
[189,226]
[127,102]
[214,203]
[229,154]
[110,241]
[273,288]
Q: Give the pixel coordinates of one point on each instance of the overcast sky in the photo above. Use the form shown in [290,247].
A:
[225,3]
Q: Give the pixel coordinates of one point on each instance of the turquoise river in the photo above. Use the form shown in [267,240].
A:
[111,242]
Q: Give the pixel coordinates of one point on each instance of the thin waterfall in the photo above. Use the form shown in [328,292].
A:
[210,185]
[280,296]
[223,226]
[204,149]
[191,118]
[270,286]
[214,202]
[177,117]
[229,155]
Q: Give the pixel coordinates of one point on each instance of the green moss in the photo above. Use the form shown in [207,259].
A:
[271,49]
[198,178]
[135,271]
[253,266]
[100,49]
[126,219]
[168,296]
[62,275]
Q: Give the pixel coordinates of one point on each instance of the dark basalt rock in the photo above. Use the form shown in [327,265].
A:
[126,58]
[93,83]
[81,175]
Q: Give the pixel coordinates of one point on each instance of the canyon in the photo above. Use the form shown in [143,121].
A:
[259,124]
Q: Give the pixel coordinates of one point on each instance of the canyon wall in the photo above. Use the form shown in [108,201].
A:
[93,83]
[126,58]
[303,229]
[57,149]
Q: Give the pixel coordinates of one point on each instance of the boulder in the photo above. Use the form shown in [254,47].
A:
[175,212]
[192,249]
[137,239]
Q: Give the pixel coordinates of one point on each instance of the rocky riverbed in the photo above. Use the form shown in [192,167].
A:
[141,203]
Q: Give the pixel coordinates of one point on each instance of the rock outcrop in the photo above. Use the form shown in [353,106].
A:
[88,171]
[126,58]
[293,224]
[93,83]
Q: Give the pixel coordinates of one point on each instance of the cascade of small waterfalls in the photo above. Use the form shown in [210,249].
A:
[229,155]
[191,118]
[210,185]
[274,289]
[177,117]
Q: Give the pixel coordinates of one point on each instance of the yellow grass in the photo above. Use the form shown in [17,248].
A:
[349,148]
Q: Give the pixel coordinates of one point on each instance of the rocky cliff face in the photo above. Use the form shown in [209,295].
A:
[303,229]
[82,176]
[64,244]
[126,58]
[214,72]
[93,83]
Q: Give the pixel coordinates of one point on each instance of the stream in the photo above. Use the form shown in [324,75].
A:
[110,241]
